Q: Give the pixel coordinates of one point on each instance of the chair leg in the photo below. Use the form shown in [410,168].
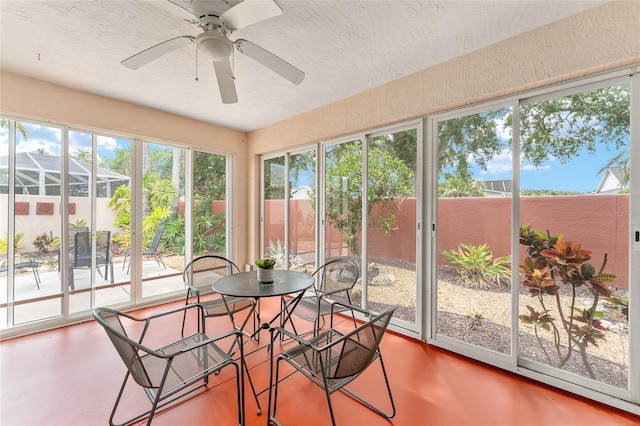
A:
[273,388]
[382,413]
[36,274]
[328,394]
[253,388]
[160,261]
[71,278]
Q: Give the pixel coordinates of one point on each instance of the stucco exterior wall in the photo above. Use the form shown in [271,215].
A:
[29,98]
[600,223]
[598,40]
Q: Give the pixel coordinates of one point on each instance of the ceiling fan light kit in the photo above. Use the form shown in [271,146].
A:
[216,46]
[218,19]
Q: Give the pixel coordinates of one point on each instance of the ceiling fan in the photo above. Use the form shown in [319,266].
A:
[218,19]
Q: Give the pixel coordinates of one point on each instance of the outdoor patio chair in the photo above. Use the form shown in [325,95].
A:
[199,276]
[31,263]
[176,365]
[334,282]
[81,257]
[333,359]
[151,251]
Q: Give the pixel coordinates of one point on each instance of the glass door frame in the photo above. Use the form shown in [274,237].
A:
[286,200]
[513,362]
[506,361]
[403,327]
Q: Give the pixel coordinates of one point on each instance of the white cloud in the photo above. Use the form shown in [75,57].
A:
[530,167]
[499,164]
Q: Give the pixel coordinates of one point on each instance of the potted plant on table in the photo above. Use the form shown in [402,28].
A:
[265,270]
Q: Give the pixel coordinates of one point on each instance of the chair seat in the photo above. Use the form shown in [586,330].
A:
[189,366]
[309,310]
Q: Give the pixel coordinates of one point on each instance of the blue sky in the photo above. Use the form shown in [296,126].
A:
[579,174]
[49,139]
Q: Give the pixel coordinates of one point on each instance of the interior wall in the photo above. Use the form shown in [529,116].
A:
[29,98]
[598,40]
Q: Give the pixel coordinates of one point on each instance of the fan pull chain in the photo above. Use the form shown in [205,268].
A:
[196,64]
[233,63]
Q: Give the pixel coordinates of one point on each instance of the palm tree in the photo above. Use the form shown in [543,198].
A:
[459,186]
[621,161]
[4,124]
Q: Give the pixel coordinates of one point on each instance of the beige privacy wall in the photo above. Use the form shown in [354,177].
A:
[28,98]
[600,39]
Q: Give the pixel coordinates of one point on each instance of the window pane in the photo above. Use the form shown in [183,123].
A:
[391,261]
[473,231]
[274,197]
[209,204]
[575,186]
[37,222]
[302,215]
[163,236]
[343,200]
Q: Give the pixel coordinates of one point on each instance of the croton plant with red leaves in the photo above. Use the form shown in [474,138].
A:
[552,262]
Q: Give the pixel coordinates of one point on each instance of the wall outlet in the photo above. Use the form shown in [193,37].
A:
[248,268]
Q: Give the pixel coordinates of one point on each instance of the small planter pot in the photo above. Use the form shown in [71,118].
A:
[265,275]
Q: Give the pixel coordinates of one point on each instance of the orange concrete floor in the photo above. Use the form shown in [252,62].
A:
[71,376]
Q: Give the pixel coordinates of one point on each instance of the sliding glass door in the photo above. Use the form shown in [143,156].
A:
[391,231]
[289,210]
[30,165]
[161,257]
[209,204]
[536,233]
[71,240]
[574,221]
[92,236]
[473,247]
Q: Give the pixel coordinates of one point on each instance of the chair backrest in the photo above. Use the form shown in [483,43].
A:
[203,271]
[73,231]
[360,346]
[156,239]
[339,274]
[110,320]
[82,248]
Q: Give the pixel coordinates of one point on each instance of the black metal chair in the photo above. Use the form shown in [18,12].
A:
[333,359]
[151,251]
[176,365]
[81,254]
[334,282]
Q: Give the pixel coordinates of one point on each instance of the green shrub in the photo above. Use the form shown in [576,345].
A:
[477,266]
[4,243]
[45,243]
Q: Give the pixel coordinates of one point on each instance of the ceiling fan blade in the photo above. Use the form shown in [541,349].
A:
[270,61]
[173,8]
[249,12]
[227,86]
[142,58]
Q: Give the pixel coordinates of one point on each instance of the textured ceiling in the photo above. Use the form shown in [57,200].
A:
[344,47]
